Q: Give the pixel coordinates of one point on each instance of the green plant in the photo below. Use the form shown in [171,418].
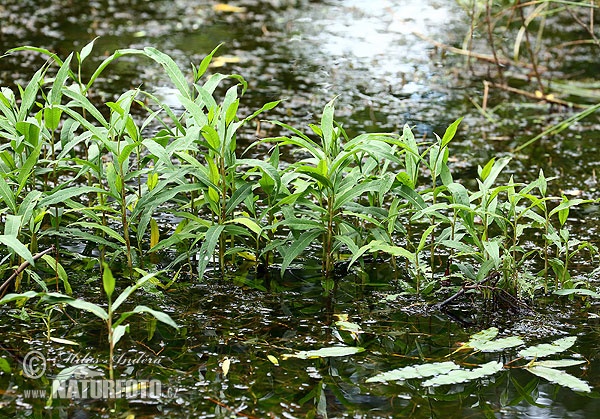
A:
[325,186]
[115,329]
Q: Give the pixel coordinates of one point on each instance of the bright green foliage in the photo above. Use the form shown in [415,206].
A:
[134,161]
[116,330]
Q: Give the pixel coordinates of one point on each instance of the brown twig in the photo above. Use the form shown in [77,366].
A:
[464,288]
[539,96]
[21,268]
[482,57]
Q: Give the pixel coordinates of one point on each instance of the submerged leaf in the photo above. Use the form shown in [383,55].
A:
[461,375]
[546,349]
[273,360]
[333,351]
[561,378]
[414,371]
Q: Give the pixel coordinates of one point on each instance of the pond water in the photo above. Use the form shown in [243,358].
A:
[308,52]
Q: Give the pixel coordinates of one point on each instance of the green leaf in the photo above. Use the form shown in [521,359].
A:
[461,375]
[546,349]
[30,94]
[327,128]
[492,172]
[578,291]
[86,50]
[171,69]
[498,344]
[205,63]
[87,306]
[238,197]
[118,332]
[56,92]
[249,223]
[333,351]
[60,272]
[158,315]
[559,363]
[130,289]
[297,247]
[450,132]
[561,378]
[381,246]
[16,246]
[354,192]
[62,195]
[4,366]
[108,280]
[7,195]
[414,371]
[24,296]
[211,239]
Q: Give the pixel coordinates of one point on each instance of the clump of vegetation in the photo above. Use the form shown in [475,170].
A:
[104,175]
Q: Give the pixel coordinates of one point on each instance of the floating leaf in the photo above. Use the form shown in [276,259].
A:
[333,351]
[222,7]
[225,366]
[273,360]
[482,341]
[349,326]
[414,371]
[558,363]
[461,375]
[63,341]
[546,349]
[221,61]
[498,344]
[561,378]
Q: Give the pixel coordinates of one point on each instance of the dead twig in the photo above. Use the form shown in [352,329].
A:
[538,96]
[21,268]
[493,275]
[481,57]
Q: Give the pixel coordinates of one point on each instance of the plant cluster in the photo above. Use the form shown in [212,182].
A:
[108,175]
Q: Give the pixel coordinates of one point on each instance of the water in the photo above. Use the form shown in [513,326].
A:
[385,76]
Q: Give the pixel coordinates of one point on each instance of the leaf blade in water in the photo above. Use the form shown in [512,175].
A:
[546,349]
[461,375]
[333,351]
[414,371]
[561,378]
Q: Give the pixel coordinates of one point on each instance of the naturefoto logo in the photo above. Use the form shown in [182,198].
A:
[82,381]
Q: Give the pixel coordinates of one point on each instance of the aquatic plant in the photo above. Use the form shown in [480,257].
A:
[136,159]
